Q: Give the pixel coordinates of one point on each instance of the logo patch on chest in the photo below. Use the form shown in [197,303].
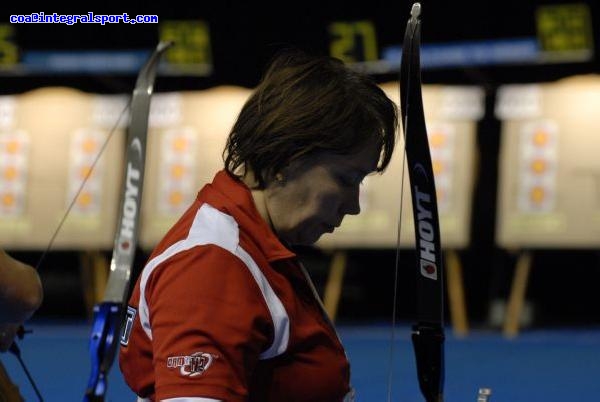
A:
[193,365]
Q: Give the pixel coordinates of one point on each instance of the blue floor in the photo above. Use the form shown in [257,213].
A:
[539,365]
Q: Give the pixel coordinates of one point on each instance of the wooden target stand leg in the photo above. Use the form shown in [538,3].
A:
[333,289]
[335,280]
[94,275]
[517,295]
[456,294]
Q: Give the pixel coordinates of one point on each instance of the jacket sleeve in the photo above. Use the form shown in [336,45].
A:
[209,323]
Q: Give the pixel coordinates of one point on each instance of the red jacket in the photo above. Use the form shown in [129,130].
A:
[223,311]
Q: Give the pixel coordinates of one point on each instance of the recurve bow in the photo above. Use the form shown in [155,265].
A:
[428,331]
[109,313]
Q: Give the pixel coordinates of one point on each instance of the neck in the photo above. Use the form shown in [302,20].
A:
[258,195]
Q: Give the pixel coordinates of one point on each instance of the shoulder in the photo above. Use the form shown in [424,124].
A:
[202,224]
[205,246]
[212,226]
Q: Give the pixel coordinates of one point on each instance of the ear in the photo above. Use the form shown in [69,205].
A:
[280,178]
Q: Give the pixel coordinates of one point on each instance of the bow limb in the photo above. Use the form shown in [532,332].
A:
[108,314]
[428,332]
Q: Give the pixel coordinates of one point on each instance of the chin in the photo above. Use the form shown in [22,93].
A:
[307,235]
[315,238]
[307,240]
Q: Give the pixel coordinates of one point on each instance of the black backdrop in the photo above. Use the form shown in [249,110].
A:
[244,36]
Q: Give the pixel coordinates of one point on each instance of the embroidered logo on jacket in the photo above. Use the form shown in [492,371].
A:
[192,365]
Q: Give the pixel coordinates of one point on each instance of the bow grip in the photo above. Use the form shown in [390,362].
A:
[428,343]
[103,343]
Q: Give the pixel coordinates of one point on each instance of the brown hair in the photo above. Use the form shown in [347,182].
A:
[304,104]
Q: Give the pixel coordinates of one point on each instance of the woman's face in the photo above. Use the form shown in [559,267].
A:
[316,193]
